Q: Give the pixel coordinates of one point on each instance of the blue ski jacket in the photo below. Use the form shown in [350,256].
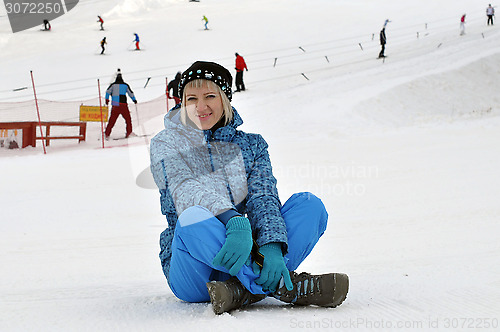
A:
[118,93]
[227,171]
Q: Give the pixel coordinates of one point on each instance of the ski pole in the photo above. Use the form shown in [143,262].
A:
[142,131]
[137,114]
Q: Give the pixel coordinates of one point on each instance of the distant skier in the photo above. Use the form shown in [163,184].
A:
[100,20]
[136,40]
[240,66]
[174,86]
[383,41]
[46,25]
[490,12]
[103,42]
[206,21]
[118,91]
[462,25]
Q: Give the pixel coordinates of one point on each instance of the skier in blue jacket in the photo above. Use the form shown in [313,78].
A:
[136,40]
[118,91]
[229,239]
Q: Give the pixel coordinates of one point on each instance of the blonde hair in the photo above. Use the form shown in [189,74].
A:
[227,109]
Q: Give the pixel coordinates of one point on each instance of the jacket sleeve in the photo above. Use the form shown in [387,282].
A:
[109,92]
[130,93]
[170,169]
[263,204]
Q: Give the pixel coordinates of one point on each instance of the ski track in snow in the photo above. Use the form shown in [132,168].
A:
[404,154]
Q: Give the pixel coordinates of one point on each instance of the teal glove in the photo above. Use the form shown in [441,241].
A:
[273,269]
[236,250]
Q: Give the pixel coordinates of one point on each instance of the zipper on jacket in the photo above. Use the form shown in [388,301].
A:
[209,138]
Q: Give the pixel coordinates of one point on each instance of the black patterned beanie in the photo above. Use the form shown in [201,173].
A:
[208,71]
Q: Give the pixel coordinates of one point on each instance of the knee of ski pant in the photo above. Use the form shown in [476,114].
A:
[199,223]
[311,205]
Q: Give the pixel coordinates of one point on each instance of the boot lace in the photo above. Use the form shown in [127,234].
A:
[305,286]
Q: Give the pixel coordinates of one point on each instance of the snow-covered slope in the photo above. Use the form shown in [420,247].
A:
[403,152]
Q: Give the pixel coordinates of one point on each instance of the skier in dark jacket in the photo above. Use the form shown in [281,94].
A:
[229,240]
[46,25]
[173,86]
[103,42]
[382,43]
[118,90]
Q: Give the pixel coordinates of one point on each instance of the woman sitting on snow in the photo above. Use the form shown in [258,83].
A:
[210,176]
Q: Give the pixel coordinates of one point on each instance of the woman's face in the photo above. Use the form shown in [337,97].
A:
[203,106]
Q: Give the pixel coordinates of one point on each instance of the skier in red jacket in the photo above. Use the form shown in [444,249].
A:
[462,25]
[101,21]
[240,66]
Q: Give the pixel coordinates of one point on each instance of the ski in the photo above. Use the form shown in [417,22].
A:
[131,136]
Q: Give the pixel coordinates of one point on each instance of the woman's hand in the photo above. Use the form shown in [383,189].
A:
[236,250]
[273,269]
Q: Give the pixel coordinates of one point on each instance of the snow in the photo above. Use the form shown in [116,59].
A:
[403,152]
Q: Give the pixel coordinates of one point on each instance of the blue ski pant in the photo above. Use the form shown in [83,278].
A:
[199,236]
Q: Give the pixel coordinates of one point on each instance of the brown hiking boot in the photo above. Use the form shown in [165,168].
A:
[229,295]
[325,290]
